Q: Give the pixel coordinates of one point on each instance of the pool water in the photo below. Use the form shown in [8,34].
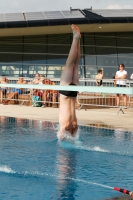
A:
[34,164]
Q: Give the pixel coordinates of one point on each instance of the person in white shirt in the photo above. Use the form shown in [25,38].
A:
[120,76]
[131,77]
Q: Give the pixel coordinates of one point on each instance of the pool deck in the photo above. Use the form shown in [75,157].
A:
[104,117]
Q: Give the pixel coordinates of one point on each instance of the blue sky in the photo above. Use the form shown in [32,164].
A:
[13,6]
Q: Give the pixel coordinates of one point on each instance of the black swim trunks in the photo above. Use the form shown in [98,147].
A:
[69,93]
[99,83]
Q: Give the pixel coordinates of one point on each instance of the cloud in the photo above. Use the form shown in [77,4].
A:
[13,6]
[117,6]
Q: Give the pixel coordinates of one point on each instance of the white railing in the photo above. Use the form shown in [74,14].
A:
[49,97]
[87,99]
[15,95]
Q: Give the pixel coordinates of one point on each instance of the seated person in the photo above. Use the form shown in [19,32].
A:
[15,91]
[49,94]
[47,81]
[3,90]
[54,95]
[38,92]
[37,80]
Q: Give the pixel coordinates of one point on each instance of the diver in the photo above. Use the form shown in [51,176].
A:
[67,114]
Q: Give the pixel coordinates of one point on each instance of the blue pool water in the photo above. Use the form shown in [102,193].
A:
[35,165]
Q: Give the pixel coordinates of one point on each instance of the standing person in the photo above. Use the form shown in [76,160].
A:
[131,77]
[67,115]
[99,78]
[120,76]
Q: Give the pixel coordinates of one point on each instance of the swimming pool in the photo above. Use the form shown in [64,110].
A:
[35,165]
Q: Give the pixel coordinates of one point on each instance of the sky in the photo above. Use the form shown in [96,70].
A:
[20,6]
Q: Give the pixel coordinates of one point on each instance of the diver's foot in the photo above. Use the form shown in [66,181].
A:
[76,31]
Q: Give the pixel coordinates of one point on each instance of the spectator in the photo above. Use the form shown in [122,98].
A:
[99,78]
[15,91]
[131,76]
[3,90]
[121,75]
[46,93]
[38,92]
[54,95]
[37,79]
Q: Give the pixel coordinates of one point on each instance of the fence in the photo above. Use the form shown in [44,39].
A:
[51,97]
[20,96]
[87,99]
[14,95]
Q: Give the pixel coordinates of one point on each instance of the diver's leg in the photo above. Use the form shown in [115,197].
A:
[75,78]
[67,74]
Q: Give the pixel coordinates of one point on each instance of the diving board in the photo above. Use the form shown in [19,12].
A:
[94,89]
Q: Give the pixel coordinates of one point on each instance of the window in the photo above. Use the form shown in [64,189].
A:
[106,61]
[91,71]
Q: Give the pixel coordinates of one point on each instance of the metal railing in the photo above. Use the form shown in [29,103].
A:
[15,95]
[21,96]
[84,99]
[87,99]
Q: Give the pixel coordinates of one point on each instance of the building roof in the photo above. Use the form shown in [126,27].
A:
[86,16]
[59,21]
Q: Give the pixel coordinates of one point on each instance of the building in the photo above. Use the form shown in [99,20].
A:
[40,42]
